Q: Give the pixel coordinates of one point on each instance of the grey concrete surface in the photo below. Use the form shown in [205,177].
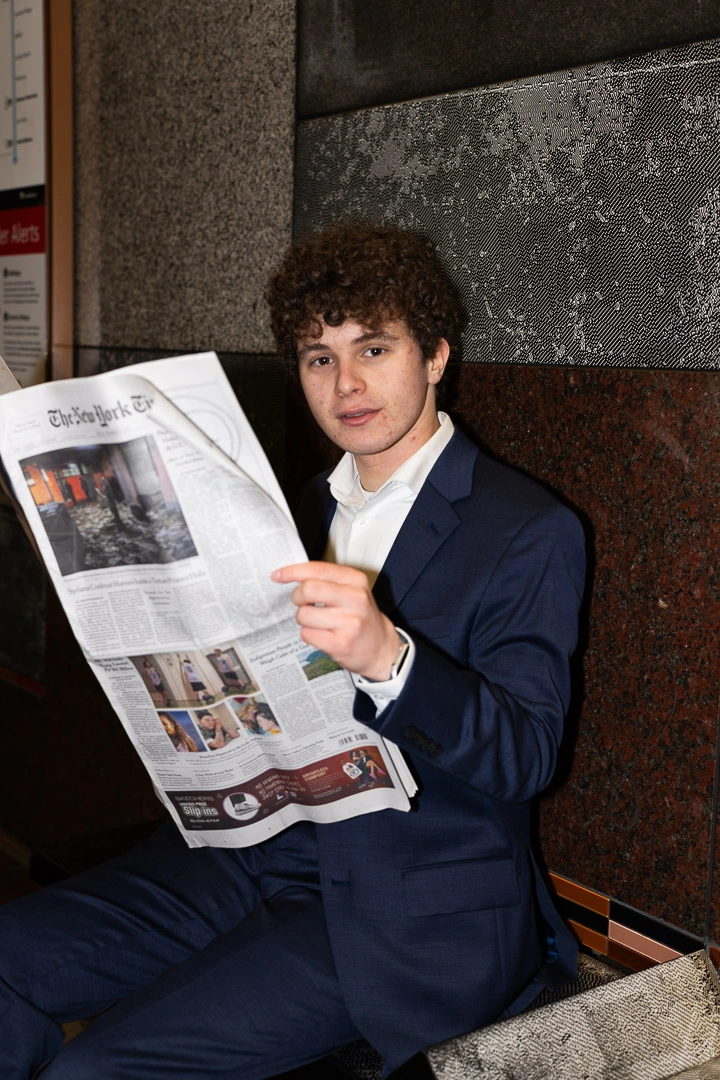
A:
[184,163]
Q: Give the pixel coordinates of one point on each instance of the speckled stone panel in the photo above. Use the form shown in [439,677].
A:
[578,212]
[636,453]
[648,1026]
[184,143]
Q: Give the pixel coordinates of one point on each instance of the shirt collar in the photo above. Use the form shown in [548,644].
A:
[345,484]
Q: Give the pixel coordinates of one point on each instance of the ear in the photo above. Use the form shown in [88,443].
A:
[436,364]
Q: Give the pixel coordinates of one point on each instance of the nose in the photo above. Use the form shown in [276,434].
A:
[348,378]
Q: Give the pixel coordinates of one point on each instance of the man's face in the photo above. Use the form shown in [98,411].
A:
[372,392]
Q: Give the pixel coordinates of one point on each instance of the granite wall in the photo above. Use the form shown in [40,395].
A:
[578,214]
[636,453]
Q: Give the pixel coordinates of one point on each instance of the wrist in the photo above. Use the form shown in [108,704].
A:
[391,669]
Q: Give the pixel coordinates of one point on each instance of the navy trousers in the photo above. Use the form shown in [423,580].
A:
[204,964]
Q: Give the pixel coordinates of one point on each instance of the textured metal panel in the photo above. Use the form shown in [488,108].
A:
[579,212]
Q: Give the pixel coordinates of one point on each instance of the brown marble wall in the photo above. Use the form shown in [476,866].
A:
[636,453]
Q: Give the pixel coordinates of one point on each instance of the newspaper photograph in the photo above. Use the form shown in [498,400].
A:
[159,521]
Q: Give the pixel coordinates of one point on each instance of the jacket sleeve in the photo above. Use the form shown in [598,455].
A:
[491,712]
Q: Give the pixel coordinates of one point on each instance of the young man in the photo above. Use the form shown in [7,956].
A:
[449,587]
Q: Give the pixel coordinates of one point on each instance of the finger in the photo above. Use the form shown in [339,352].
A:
[327,618]
[329,594]
[322,571]
[319,639]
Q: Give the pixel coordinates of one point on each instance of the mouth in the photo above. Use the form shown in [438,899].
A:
[357,417]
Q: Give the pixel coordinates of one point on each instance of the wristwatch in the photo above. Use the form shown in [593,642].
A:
[397,662]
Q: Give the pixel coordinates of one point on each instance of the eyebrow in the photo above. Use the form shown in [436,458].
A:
[370,335]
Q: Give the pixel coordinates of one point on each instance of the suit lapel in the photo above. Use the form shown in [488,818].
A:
[430,521]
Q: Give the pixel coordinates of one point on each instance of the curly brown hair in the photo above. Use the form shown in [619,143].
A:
[368,273]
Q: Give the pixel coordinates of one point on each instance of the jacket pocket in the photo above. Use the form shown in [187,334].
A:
[467,885]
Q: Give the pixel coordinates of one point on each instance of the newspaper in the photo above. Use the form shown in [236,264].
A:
[160,520]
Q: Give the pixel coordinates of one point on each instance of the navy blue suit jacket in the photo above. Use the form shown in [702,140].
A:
[439,919]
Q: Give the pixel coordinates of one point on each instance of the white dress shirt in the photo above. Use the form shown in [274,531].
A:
[366,524]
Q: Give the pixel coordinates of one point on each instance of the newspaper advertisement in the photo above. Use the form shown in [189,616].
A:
[160,521]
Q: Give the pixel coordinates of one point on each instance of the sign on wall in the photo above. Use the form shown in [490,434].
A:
[23,245]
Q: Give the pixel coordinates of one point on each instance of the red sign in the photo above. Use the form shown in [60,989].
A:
[22,231]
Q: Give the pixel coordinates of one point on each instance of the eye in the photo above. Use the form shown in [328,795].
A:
[320,361]
[374,350]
